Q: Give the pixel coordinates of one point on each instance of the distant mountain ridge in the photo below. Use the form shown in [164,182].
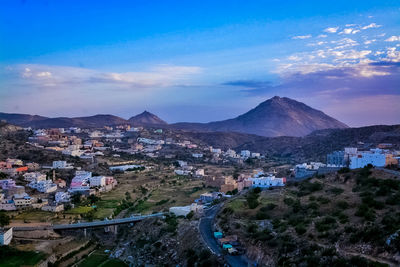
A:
[278,116]
[99,120]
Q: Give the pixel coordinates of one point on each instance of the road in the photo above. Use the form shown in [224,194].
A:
[207,233]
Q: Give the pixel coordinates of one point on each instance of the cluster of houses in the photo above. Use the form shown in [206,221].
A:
[46,193]
[185,170]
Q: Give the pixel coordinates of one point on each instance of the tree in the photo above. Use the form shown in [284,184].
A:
[4,219]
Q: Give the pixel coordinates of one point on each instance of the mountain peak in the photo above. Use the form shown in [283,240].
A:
[276,116]
[146,118]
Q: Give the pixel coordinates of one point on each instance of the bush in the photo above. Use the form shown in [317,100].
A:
[342,204]
[325,224]
[300,229]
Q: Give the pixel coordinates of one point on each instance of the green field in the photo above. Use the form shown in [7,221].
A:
[10,257]
[99,258]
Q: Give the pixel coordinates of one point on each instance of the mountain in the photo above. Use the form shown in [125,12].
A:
[99,120]
[20,119]
[278,116]
[36,121]
[146,118]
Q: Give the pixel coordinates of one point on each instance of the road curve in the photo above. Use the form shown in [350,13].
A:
[206,230]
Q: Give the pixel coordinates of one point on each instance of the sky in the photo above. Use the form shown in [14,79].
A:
[200,61]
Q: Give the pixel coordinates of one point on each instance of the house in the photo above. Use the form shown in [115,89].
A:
[6,236]
[34,176]
[46,186]
[81,181]
[245,153]
[7,183]
[185,210]
[375,157]
[22,201]
[53,208]
[197,155]
[59,164]
[97,181]
[60,183]
[267,182]
[199,173]
[62,197]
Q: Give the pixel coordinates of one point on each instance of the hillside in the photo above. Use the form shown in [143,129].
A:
[342,219]
[278,116]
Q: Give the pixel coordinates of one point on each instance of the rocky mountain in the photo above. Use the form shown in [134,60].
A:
[278,116]
[146,118]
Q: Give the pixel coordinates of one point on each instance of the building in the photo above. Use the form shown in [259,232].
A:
[199,173]
[6,236]
[97,181]
[7,184]
[53,208]
[267,181]
[374,157]
[81,181]
[46,186]
[59,164]
[125,167]
[34,176]
[336,159]
[22,201]
[245,153]
[185,210]
[62,197]
[197,155]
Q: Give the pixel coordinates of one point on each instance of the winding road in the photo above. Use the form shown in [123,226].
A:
[206,229]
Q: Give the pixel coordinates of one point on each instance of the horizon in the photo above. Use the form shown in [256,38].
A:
[74,59]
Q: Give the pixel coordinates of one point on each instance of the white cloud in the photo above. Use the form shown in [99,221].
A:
[369,41]
[393,38]
[372,25]
[302,36]
[331,29]
[349,31]
[158,76]
[322,36]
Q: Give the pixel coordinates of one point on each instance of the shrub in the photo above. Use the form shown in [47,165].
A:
[342,204]
[325,224]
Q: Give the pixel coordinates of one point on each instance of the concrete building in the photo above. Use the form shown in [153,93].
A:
[59,164]
[267,182]
[336,159]
[97,181]
[7,184]
[46,186]
[34,176]
[374,157]
[62,197]
[6,236]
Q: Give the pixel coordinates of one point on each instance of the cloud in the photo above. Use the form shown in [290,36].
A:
[322,36]
[349,31]
[331,29]
[157,76]
[372,25]
[302,36]
[393,38]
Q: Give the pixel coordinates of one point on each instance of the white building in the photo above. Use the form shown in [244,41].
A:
[182,163]
[6,236]
[245,153]
[185,210]
[34,176]
[124,167]
[255,155]
[268,181]
[216,150]
[199,173]
[59,164]
[97,181]
[182,172]
[197,155]
[46,186]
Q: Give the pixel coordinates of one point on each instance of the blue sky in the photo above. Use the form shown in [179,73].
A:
[200,60]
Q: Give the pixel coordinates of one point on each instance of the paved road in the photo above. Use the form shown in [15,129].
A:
[207,233]
[89,224]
